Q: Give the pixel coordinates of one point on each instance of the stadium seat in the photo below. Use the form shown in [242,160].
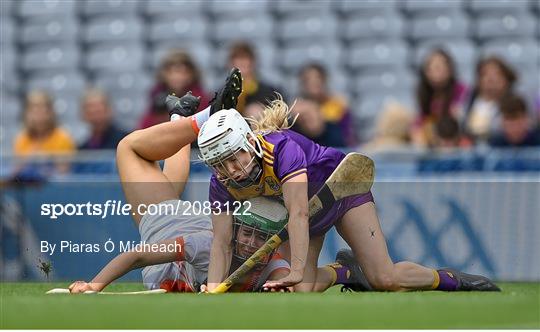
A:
[515,51]
[506,25]
[177,28]
[124,83]
[113,29]
[366,7]
[440,6]
[128,109]
[7,138]
[462,51]
[11,110]
[339,83]
[286,7]
[386,24]
[390,81]
[114,8]
[440,25]
[201,52]
[378,53]
[180,7]
[78,130]
[367,109]
[9,80]
[7,30]
[67,106]
[237,8]
[115,57]
[45,8]
[467,74]
[44,57]
[6,8]
[250,28]
[50,30]
[57,82]
[505,6]
[273,76]
[8,54]
[327,52]
[528,84]
[304,26]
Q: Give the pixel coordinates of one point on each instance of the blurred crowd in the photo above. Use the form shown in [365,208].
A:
[449,114]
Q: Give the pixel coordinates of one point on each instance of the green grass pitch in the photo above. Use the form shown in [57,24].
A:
[24,305]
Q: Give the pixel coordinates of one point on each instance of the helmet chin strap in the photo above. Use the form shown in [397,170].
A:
[253,177]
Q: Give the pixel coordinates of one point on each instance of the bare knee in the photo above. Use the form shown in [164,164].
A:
[127,145]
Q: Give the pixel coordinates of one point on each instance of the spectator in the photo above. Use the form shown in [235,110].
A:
[439,94]
[494,80]
[517,129]
[334,109]
[310,123]
[448,134]
[41,134]
[97,113]
[392,129]
[177,74]
[242,56]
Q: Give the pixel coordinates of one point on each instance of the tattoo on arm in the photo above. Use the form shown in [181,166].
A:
[372,231]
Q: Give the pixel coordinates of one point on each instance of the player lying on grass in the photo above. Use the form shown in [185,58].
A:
[183,267]
[144,182]
[272,160]
[252,227]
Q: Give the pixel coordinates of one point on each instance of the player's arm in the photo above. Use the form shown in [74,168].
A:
[278,274]
[295,197]
[221,252]
[128,261]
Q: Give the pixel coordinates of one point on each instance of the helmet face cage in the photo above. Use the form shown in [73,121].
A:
[223,136]
[224,176]
[248,237]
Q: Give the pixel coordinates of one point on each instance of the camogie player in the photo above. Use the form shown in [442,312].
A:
[269,159]
[179,260]
[144,183]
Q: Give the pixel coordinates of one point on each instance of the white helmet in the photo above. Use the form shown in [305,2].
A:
[222,136]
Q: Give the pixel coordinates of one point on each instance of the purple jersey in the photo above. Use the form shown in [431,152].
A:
[287,154]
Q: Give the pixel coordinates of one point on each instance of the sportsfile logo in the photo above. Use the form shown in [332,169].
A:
[109,208]
[119,208]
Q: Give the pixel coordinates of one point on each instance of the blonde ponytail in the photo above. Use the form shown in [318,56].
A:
[274,117]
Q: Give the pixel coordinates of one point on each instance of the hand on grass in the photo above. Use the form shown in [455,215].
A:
[82,286]
[290,280]
[203,289]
